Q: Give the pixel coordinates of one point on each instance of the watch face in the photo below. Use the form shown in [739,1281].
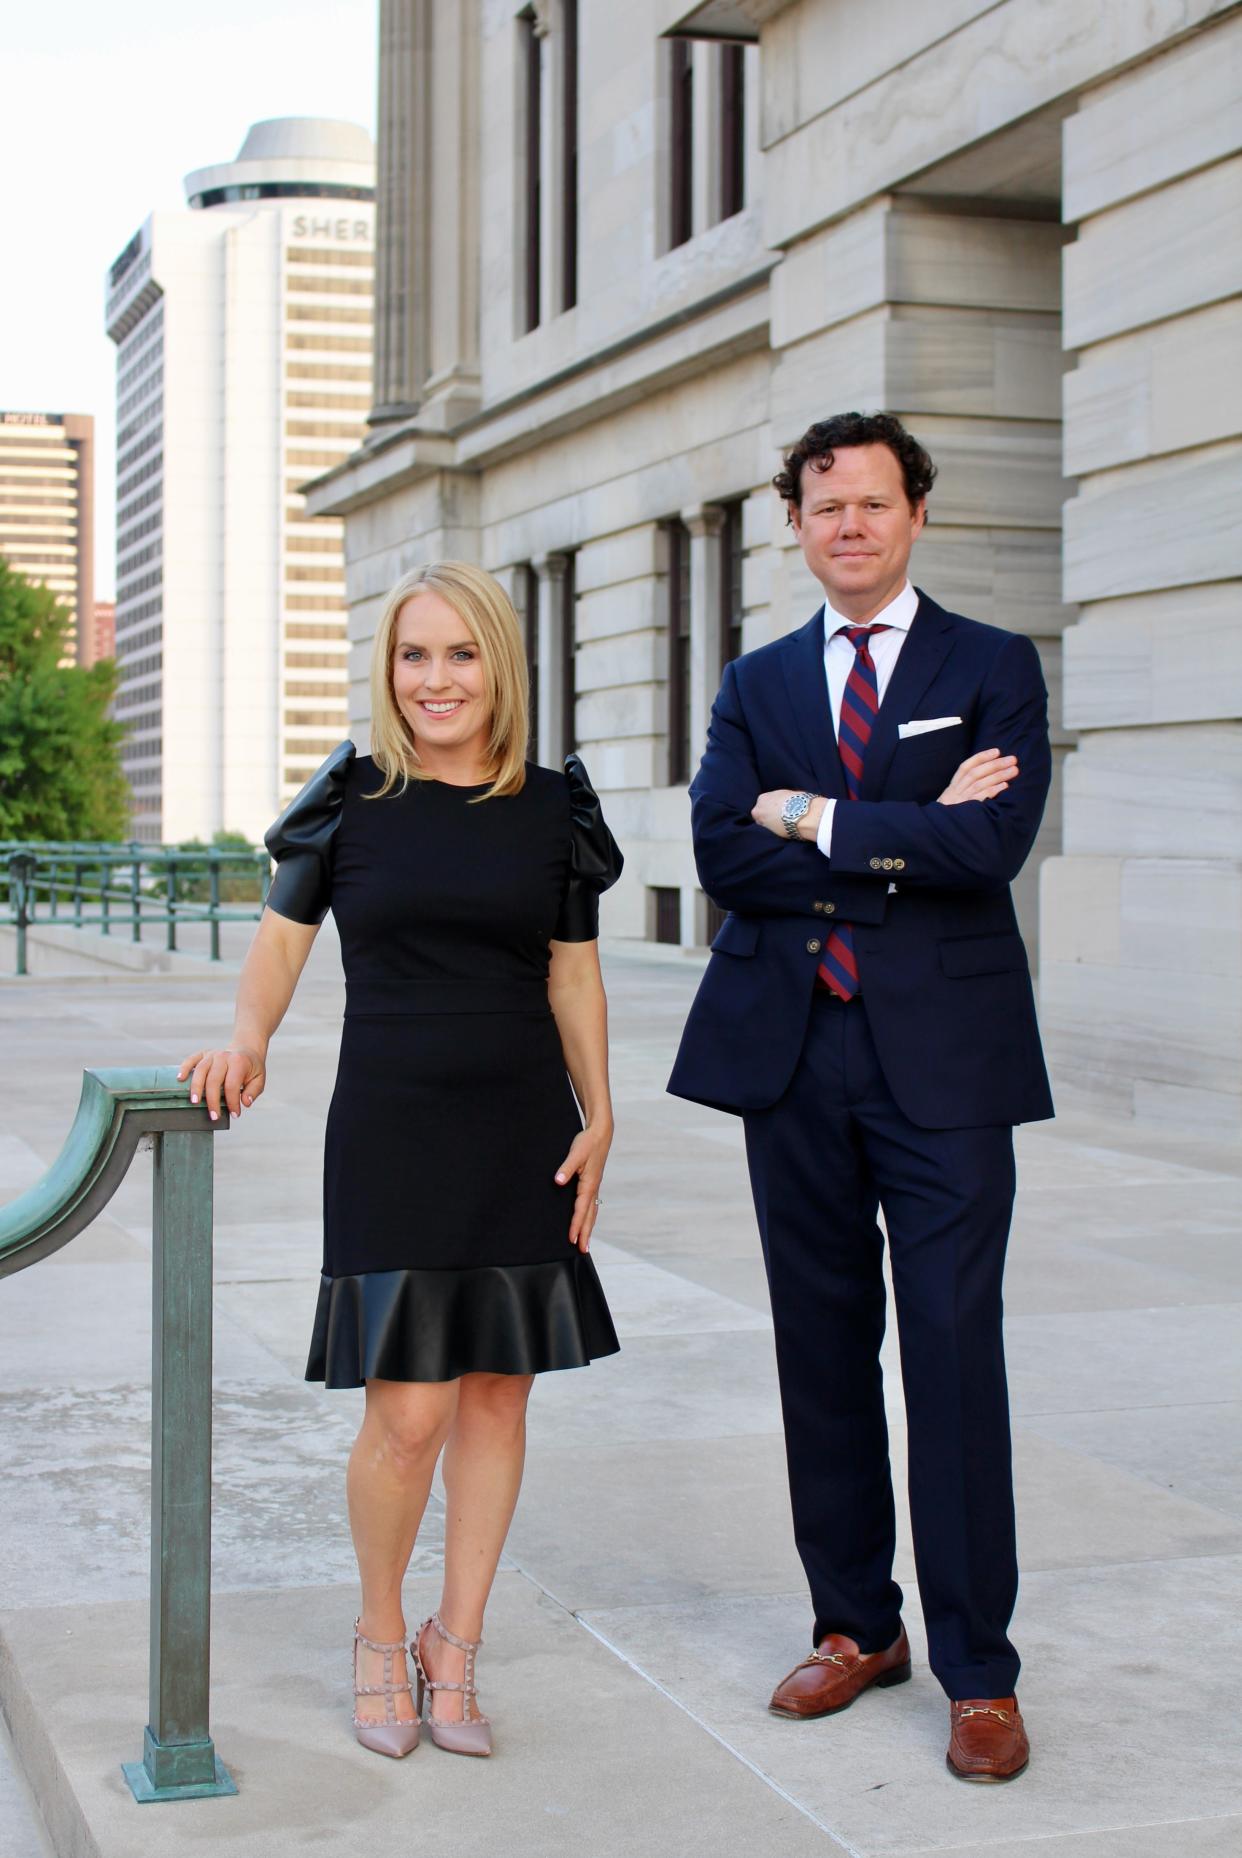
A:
[795,807]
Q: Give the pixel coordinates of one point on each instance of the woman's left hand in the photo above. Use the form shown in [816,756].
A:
[585,1160]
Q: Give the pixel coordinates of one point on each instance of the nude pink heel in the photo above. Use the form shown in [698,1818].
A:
[472,1736]
[391,1737]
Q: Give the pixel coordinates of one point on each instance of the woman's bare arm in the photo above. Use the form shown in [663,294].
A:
[270,972]
[580,1008]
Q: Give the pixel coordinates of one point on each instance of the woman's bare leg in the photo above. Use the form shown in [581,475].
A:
[389,1477]
[483,1462]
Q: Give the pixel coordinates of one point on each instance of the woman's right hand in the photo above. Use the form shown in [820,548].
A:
[235,1074]
[981,777]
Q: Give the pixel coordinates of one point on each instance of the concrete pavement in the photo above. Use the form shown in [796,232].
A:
[651,1593]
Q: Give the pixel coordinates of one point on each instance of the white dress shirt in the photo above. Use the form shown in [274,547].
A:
[839,662]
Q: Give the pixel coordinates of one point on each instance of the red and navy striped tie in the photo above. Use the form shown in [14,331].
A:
[838,969]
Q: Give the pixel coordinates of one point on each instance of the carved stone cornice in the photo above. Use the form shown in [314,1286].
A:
[725,19]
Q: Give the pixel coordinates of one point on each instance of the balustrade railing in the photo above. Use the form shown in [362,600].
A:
[118,1109]
[128,888]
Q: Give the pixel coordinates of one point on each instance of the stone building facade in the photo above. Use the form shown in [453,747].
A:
[625,254]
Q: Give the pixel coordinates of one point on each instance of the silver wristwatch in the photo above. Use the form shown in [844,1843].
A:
[795,808]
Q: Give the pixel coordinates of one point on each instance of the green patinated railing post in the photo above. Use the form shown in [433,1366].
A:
[179,1761]
[21,874]
[214,893]
[179,1757]
[172,906]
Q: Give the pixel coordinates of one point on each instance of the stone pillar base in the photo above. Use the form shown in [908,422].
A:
[1141,988]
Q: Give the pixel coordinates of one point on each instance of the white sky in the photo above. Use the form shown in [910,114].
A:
[105,110]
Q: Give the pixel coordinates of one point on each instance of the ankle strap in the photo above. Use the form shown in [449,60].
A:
[377,1645]
[451,1638]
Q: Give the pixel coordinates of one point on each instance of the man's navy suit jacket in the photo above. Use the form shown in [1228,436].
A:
[945,982]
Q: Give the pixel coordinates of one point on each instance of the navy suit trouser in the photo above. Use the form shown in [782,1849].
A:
[823,1160]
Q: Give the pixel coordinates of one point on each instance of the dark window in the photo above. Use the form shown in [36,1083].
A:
[681,141]
[569,651]
[732,130]
[678,653]
[280,190]
[715,916]
[667,914]
[731,585]
[532,200]
[530,592]
[569,178]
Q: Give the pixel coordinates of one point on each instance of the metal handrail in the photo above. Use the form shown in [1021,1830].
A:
[79,875]
[117,1109]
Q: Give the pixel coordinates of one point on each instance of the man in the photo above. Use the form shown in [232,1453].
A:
[872,785]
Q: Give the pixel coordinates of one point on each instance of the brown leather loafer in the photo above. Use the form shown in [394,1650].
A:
[987,1740]
[831,1678]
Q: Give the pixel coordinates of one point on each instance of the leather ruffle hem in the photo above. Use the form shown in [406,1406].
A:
[436,1325]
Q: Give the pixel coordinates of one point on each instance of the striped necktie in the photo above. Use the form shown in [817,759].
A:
[838,970]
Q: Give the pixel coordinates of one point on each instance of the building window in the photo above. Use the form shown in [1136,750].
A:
[714,916]
[681,141]
[731,585]
[732,130]
[678,622]
[569,168]
[666,908]
[569,652]
[532,164]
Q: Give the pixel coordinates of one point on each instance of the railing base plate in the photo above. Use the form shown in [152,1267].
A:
[144,1789]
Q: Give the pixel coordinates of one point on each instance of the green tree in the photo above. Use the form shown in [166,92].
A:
[238,883]
[60,754]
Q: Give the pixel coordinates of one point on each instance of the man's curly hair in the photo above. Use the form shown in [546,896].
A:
[820,443]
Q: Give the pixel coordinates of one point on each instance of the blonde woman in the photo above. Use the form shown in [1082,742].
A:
[461,1183]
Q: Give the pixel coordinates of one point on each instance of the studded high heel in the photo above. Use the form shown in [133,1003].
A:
[473,1735]
[390,1737]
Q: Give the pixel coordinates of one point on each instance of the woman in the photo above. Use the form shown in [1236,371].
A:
[461,1185]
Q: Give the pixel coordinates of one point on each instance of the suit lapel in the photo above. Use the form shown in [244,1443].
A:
[927,645]
[807,688]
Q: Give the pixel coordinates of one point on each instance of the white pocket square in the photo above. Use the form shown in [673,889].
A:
[926,726]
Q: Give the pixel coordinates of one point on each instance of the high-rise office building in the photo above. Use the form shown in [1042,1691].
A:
[105,629]
[47,501]
[243,326]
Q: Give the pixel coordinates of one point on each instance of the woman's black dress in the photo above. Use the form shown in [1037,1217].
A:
[446,1245]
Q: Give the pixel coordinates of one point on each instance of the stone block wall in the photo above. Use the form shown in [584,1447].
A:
[1142,915]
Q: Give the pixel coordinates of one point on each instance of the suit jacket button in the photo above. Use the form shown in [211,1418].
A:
[888,864]
[829,909]
[899,864]
[814,945]
[818,908]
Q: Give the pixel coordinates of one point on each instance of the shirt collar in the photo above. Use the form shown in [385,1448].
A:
[899,614]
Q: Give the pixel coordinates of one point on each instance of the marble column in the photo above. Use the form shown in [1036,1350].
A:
[1141,977]
[550,35]
[553,729]
[403,182]
[705,522]
[451,390]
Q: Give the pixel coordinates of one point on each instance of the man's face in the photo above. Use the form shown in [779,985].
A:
[856,528]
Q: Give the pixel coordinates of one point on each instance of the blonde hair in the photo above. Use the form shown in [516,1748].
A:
[486,609]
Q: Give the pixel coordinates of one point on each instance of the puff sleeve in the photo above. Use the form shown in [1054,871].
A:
[301,842]
[595,859]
